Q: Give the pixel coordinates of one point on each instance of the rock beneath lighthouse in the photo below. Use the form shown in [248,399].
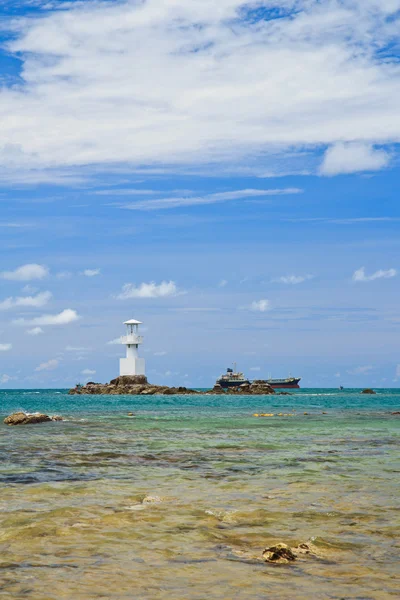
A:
[127,380]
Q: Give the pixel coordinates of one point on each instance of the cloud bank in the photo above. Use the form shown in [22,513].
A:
[177,82]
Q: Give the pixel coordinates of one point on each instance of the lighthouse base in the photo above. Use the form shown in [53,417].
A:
[132,366]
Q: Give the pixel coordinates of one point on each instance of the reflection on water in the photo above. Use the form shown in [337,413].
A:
[180,500]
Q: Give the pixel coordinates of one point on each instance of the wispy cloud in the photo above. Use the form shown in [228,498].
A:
[33,301]
[63,318]
[5,347]
[114,342]
[360,275]
[5,378]
[91,272]
[127,192]
[50,365]
[26,273]
[293,279]
[88,372]
[35,331]
[177,202]
[149,290]
[223,283]
[260,305]
[77,349]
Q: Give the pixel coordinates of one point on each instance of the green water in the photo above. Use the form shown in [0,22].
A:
[181,499]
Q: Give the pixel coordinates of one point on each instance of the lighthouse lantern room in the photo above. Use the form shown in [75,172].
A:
[132,364]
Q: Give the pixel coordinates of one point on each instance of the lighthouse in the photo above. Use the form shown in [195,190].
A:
[132,364]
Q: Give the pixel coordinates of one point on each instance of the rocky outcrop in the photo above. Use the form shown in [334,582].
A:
[368,391]
[134,385]
[281,553]
[256,388]
[21,418]
[139,386]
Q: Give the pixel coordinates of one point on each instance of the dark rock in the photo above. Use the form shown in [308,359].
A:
[279,553]
[22,418]
[368,391]
[397,412]
[129,380]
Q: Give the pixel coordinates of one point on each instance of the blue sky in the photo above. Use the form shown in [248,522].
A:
[228,176]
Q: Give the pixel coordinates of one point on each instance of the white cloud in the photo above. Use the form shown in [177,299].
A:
[91,272]
[222,283]
[26,273]
[5,347]
[293,279]
[35,331]
[360,370]
[88,372]
[360,275]
[260,305]
[211,81]
[149,290]
[161,353]
[64,275]
[114,342]
[50,365]
[164,203]
[5,378]
[353,158]
[33,301]
[63,318]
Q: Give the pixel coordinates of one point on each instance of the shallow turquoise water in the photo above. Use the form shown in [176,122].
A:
[224,484]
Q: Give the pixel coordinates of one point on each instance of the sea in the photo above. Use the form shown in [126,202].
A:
[179,499]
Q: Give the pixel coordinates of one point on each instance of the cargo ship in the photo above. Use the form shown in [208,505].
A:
[233,378]
[289,382]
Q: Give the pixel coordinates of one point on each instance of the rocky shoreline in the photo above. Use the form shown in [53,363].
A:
[138,385]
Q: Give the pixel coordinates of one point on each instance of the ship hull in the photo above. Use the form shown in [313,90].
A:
[288,385]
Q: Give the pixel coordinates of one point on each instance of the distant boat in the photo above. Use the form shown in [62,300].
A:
[233,378]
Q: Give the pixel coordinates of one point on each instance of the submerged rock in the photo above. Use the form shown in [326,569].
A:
[280,553]
[21,418]
[368,391]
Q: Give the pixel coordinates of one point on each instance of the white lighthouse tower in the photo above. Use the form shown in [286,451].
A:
[132,364]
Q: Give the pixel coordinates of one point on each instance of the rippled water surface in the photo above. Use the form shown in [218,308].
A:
[179,500]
